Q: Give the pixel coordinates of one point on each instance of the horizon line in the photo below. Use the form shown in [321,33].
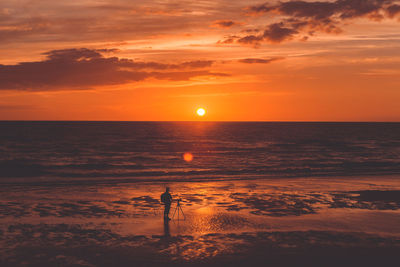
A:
[272,121]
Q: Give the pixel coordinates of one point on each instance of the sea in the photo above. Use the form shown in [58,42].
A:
[107,152]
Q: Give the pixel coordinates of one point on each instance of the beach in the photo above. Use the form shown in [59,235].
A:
[216,133]
[252,194]
[268,222]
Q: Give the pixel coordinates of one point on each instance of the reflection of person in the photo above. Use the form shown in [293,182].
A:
[166,198]
[166,229]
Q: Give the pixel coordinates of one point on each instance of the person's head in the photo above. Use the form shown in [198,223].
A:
[167,189]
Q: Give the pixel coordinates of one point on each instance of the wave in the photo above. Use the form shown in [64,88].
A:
[149,150]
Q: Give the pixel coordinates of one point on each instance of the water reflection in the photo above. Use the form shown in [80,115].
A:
[213,207]
[167,232]
[222,218]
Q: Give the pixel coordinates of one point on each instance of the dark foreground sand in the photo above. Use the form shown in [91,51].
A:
[286,222]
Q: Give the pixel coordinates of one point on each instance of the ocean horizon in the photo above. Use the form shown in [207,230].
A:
[99,151]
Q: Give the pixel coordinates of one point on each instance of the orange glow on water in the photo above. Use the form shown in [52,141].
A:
[187,157]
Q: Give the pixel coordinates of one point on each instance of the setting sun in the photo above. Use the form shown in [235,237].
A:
[175,132]
[201,112]
[187,157]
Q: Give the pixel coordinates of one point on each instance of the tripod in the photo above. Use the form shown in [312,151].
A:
[179,208]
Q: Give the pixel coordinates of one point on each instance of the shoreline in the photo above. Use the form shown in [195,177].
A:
[143,180]
[235,223]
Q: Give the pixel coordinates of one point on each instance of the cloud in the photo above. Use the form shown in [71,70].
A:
[108,20]
[26,27]
[259,60]
[229,39]
[224,23]
[250,39]
[183,76]
[274,33]
[86,68]
[278,32]
[344,9]
[393,10]
[304,18]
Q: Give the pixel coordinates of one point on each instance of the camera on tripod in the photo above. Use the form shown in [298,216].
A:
[179,209]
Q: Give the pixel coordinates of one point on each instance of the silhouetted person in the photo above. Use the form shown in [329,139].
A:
[166,198]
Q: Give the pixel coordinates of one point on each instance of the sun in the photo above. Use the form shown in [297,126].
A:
[201,112]
[188,157]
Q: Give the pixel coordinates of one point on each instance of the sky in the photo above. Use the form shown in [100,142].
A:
[159,60]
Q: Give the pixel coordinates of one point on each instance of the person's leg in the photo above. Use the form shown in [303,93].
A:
[166,210]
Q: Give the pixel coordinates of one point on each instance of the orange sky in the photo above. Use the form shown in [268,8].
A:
[160,60]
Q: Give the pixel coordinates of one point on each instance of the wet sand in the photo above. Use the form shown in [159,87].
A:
[285,222]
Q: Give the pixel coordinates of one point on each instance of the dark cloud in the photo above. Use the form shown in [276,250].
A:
[85,68]
[297,9]
[325,10]
[195,64]
[224,23]
[274,33]
[229,39]
[259,60]
[393,10]
[250,39]
[277,33]
[306,18]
